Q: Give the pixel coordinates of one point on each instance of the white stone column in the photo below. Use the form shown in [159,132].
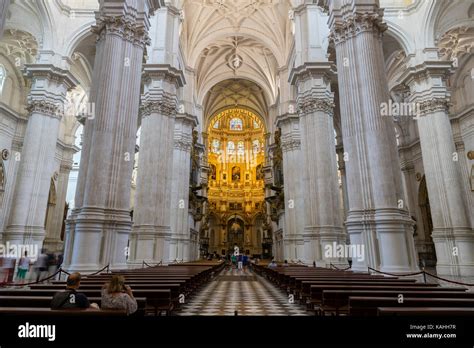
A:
[3,15]
[180,239]
[46,107]
[293,242]
[453,235]
[99,228]
[150,239]
[322,224]
[375,220]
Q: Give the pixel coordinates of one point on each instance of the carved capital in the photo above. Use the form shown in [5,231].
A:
[44,107]
[309,104]
[166,106]
[127,27]
[430,106]
[290,145]
[352,24]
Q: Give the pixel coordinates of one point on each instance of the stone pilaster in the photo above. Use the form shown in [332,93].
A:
[150,239]
[322,222]
[99,227]
[46,107]
[375,220]
[293,242]
[3,15]
[452,234]
[182,142]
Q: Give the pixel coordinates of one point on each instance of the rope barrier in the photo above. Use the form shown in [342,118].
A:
[95,273]
[424,274]
[36,282]
[340,269]
[393,274]
[60,271]
[158,264]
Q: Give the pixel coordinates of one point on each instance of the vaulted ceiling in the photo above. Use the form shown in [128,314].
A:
[236,40]
[235,92]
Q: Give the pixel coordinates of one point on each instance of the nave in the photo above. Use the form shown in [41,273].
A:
[241,292]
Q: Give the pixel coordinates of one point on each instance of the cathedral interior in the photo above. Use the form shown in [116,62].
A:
[236,158]
[166,131]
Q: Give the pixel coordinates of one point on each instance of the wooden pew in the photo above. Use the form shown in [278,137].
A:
[338,300]
[34,311]
[367,306]
[425,311]
[45,302]
[157,301]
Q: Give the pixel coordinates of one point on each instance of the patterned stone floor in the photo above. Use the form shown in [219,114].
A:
[241,291]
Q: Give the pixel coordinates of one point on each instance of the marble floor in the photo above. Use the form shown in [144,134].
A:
[242,291]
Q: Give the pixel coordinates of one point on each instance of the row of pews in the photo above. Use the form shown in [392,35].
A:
[158,290]
[335,292]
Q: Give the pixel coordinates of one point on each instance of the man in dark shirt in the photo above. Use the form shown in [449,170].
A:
[71,298]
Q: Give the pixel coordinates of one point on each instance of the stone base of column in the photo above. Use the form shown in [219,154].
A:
[150,244]
[386,236]
[294,248]
[315,240]
[179,249]
[454,251]
[31,237]
[100,238]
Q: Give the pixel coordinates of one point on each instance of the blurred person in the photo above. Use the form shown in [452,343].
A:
[272,264]
[8,267]
[51,263]
[70,298]
[117,295]
[285,264]
[23,267]
[41,264]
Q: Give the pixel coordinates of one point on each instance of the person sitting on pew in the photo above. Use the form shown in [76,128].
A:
[71,298]
[272,264]
[117,295]
[285,264]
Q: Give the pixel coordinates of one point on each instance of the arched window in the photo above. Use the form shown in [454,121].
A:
[216,125]
[236,124]
[240,148]
[3,77]
[256,125]
[216,144]
[230,147]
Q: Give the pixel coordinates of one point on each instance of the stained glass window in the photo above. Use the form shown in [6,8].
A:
[230,147]
[236,124]
[216,144]
[216,125]
[240,148]
[3,76]
[256,146]
[256,125]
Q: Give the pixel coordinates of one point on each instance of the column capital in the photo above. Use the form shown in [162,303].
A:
[166,106]
[122,19]
[427,83]
[349,20]
[49,88]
